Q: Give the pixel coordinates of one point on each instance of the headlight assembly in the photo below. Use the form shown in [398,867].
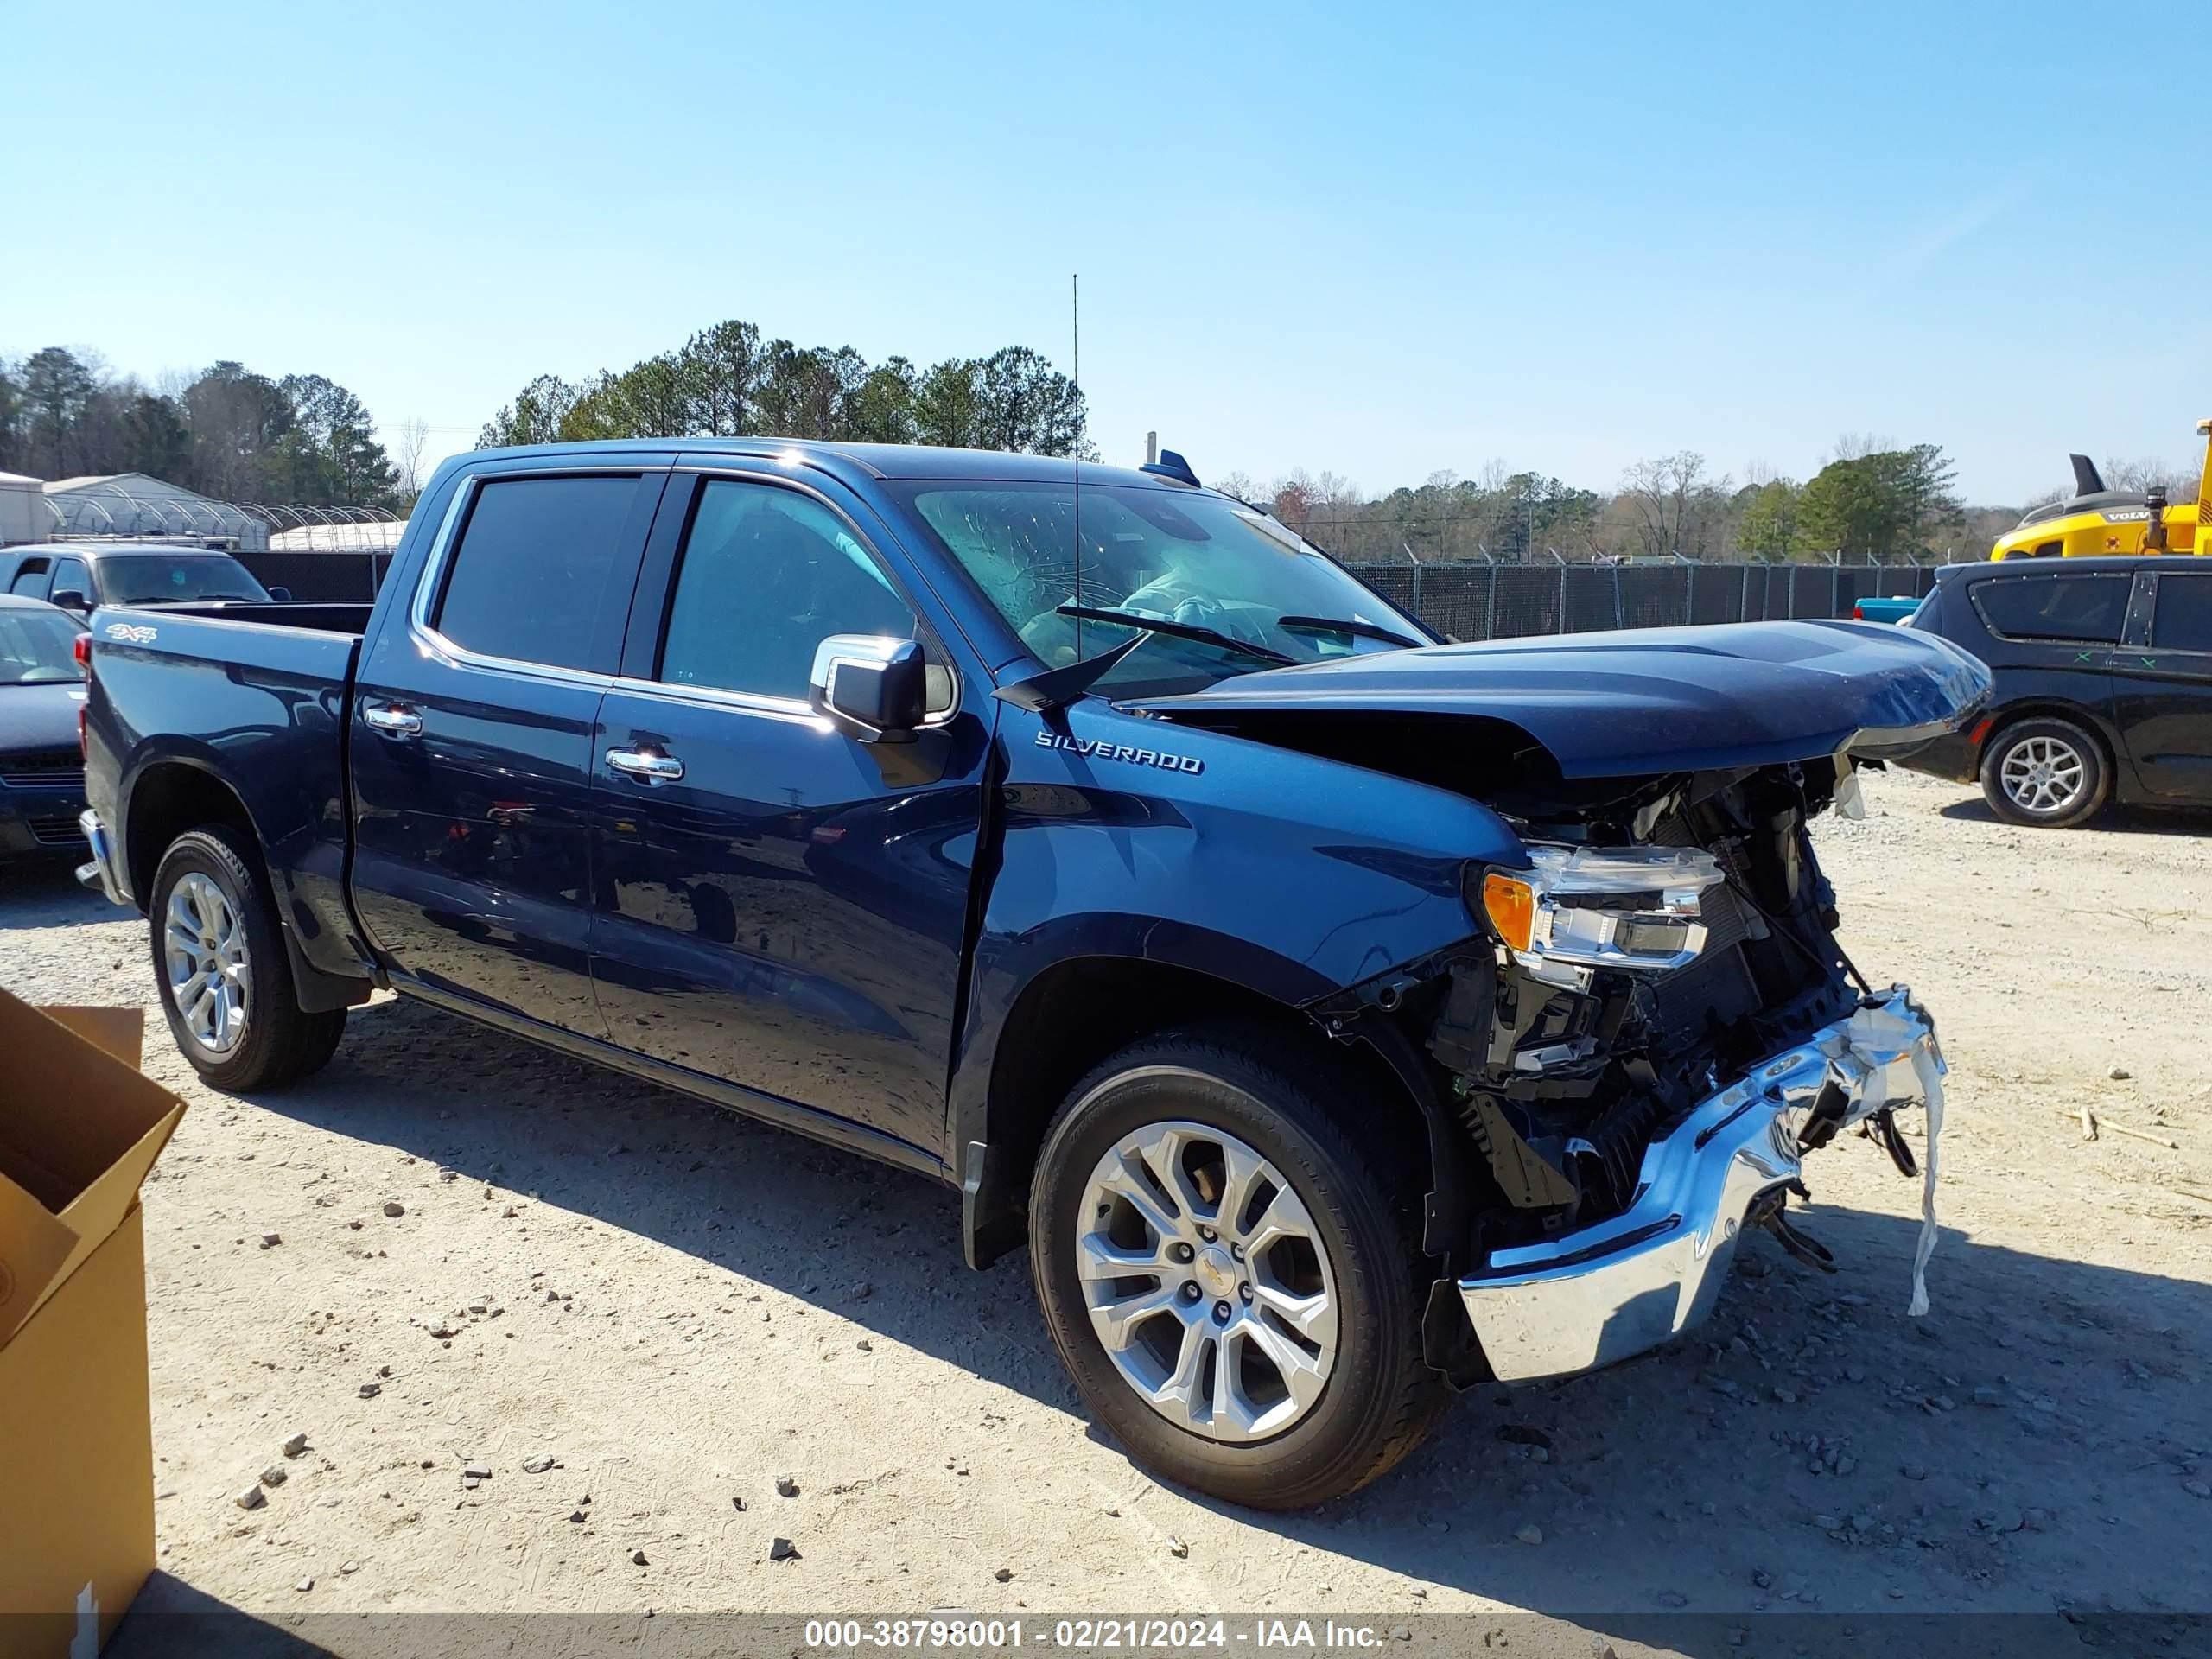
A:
[1622,907]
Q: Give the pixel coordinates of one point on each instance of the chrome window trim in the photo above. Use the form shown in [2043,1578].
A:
[765,702]
[715,697]
[433,577]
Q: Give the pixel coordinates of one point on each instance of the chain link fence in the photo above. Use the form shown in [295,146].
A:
[1503,602]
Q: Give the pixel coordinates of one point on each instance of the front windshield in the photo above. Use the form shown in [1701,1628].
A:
[1190,557]
[140,580]
[38,647]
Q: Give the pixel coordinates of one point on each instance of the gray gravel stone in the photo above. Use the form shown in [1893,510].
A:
[295,1444]
[252,1498]
[786,1487]
[784,1550]
[394,1208]
[274,1475]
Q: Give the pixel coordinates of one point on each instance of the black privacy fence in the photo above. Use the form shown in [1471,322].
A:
[1468,602]
[1502,602]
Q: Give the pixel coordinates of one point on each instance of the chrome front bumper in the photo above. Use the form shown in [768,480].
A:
[1603,1293]
[99,872]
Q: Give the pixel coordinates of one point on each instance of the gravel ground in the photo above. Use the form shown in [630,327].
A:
[643,1319]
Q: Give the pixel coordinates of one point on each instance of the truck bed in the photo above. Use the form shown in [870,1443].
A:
[254,695]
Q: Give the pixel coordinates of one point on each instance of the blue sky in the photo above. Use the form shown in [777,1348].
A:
[1378,240]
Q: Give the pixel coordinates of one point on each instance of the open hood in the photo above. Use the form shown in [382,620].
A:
[1647,700]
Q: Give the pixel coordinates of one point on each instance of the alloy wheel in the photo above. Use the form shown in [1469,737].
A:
[2043,774]
[1207,1282]
[204,949]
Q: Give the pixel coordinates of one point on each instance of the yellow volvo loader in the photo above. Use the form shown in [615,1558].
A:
[2094,521]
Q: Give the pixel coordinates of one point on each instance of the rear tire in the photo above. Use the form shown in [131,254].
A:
[221,970]
[2045,772]
[1217,1389]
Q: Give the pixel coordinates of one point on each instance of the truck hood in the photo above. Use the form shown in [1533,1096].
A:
[1646,699]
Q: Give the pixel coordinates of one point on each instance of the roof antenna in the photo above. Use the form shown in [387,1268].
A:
[1056,687]
[1075,332]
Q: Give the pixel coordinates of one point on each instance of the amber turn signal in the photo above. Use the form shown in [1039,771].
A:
[1511,907]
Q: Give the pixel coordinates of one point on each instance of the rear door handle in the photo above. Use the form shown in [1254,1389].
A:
[392,719]
[652,768]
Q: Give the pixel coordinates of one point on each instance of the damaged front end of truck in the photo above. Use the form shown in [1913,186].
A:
[1652,1022]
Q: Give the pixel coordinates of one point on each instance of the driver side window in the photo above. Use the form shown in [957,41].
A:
[767,575]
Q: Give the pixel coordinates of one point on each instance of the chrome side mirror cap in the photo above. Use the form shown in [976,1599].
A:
[868,686]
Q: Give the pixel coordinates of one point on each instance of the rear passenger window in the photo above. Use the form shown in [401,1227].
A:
[2184,618]
[767,576]
[533,579]
[2086,609]
[31,579]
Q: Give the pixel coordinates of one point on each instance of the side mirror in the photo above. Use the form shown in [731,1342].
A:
[282,596]
[869,687]
[71,598]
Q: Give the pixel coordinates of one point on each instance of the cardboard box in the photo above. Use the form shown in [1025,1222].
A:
[78,1130]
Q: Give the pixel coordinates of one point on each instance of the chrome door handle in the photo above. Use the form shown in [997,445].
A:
[390,719]
[653,768]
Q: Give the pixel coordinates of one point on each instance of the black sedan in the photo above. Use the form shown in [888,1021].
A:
[2103,684]
[41,768]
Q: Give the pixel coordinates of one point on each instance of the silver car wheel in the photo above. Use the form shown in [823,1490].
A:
[1207,1282]
[204,948]
[2043,774]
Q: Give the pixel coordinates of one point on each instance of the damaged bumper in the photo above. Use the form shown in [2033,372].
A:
[1605,1292]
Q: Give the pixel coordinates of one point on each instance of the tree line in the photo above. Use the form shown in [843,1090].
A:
[302,439]
[1873,500]
[727,381]
[228,432]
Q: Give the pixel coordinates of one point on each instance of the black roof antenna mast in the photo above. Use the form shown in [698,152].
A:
[1074,342]
[1056,687]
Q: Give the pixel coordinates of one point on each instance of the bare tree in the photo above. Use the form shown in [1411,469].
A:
[1857,446]
[1661,494]
[411,438]
[2180,478]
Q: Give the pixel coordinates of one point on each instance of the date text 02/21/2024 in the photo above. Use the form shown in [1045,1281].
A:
[1108,1635]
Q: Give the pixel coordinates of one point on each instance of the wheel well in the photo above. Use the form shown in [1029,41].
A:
[2072,714]
[165,801]
[1076,1013]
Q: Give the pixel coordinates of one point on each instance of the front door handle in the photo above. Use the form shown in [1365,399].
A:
[652,768]
[392,719]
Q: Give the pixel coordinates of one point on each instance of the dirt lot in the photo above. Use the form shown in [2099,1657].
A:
[678,1307]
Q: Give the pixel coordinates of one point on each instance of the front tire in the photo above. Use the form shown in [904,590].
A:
[219,965]
[2046,772]
[1230,1281]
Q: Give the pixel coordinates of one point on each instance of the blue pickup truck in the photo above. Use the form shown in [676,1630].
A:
[1341,1016]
